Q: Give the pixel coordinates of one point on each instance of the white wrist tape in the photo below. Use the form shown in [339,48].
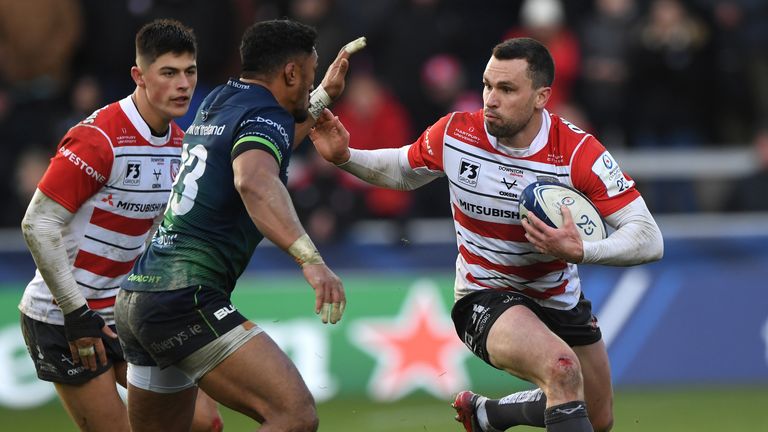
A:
[305,252]
[356,45]
[318,101]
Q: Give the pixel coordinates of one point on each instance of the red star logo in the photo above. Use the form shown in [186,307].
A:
[417,349]
[108,200]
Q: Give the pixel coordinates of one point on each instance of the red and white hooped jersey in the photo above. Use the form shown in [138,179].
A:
[115,176]
[485,182]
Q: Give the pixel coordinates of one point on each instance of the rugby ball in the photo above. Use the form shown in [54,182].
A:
[544,200]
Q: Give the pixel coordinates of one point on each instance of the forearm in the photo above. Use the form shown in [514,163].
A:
[388,168]
[271,210]
[42,226]
[637,238]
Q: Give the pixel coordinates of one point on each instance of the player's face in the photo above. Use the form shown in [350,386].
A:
[306,69]
[169,83]
[509,98]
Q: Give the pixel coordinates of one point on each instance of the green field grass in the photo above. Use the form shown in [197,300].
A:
[702,410]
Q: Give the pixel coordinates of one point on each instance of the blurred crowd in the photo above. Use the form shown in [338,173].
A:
[638,74]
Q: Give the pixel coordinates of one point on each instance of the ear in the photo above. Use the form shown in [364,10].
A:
[542,97]
[291,74]
[138,76]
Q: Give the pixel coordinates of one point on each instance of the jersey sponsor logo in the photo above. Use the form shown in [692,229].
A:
[469,171]
[555,159]
[426,141]
[83,165]
[141,207]
[238,84]
[514,172]
[466,136]
[204,130]
[509,185]
[271,123]
[125,139]
[133,277]
[108,200]
[132,173]
[488,211]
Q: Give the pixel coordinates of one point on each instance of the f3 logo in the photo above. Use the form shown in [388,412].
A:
[133,173]
[469,171]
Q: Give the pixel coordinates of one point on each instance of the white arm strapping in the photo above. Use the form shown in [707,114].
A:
[387,168]
[637,238]
[42,226]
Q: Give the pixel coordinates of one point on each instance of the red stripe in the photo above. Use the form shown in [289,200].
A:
[102,266]
[527,291]
[528,272]
[101,303]
[509,232]
[120,224]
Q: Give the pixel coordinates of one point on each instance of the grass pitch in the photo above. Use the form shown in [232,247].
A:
[670,410]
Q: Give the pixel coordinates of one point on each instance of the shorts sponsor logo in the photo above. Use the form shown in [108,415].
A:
[176,340]
[226,310]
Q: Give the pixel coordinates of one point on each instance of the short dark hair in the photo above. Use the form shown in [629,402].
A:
[268,45]
[163,36]
[541,67]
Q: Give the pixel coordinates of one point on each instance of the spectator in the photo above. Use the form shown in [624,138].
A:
[605,72]
[544,20]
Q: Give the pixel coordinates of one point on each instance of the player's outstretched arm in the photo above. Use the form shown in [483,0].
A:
[331,138]
[330,88]
[271,209]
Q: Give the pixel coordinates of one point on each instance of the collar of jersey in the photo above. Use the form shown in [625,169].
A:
[141,126]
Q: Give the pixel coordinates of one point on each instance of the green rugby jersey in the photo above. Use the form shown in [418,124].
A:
[207,237]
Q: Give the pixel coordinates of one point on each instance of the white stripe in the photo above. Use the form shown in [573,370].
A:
[623,300]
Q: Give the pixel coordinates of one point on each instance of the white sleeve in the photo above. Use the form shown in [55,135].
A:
[637,238]
[42,226]
[387,168]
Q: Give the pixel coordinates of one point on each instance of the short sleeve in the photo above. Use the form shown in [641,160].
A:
[596,173]
[81,166]
[427,150]
[270,131]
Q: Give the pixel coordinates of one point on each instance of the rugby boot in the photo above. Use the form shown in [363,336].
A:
[464,404]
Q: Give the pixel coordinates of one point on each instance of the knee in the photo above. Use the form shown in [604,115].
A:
[303,420]
[563,376]
[208,423]
[602,425]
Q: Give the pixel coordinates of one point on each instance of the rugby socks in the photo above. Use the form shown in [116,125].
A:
[521,408]
[568,417]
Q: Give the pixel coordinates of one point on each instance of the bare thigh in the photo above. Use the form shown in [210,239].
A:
[95,405]
[259,380]
[521,344]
